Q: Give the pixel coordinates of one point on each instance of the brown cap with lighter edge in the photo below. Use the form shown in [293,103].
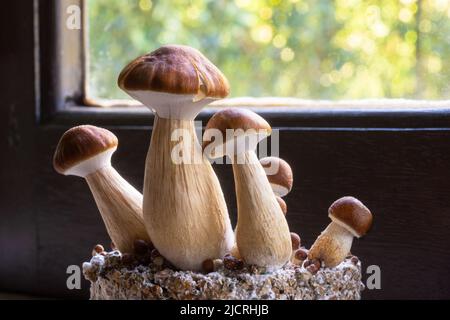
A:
[282,204]
[174,69]
[281,180]
[235,119]
[81,143]
[351,214]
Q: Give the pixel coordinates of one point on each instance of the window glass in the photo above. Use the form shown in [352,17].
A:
[335,49]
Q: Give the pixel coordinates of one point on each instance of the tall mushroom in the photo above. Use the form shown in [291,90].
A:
[262,232]
[349,218]
[184,207]
[85,151]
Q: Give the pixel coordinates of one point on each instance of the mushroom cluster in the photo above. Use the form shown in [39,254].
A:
[182,215]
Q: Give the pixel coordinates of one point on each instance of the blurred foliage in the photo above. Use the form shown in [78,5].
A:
[326,49]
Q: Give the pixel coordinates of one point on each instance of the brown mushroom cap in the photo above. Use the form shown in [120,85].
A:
[236,118]
[282,180]
[282,204]
[351,214]
[81,143]
[174,69]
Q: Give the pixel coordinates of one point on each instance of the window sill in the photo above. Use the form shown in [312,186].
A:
[283,113]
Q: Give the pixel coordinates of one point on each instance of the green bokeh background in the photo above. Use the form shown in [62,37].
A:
[322,49]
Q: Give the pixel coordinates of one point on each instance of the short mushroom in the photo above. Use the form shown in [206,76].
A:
[262,232]
[282,204]
[350,218]
[184,207]
[85,151]
[279,173]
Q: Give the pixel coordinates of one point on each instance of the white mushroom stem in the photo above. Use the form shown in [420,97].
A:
[332,246]
[184,208]
[262,232]
[120,206]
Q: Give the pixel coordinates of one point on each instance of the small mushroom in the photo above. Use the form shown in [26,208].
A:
[282,204]
[262,232]
[279,173]
[296,241]
[86,151]
[98,249]
[298,256]
[350,218]
[211,265]
[184,208]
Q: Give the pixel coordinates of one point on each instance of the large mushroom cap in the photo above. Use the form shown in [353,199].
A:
[80,144]
[279,174]
[236,126]
[174,69]
[351,214]
[178,70]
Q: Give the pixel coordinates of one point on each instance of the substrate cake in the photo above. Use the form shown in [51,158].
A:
[112,278]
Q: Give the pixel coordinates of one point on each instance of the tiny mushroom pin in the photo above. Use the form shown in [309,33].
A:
[282,204]
[86,151]
[262,232]
[184,208]
[349,218]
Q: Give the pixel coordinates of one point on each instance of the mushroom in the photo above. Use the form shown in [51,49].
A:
[282,204]
[279,173]
[85,151]
[350,218]
[262,232]
[184,207]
